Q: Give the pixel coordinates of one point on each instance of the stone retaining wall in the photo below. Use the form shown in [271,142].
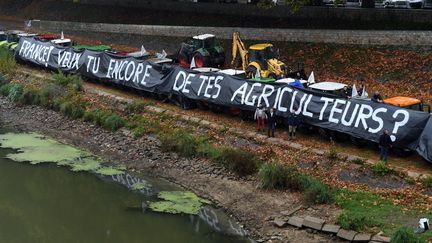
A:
[362,37]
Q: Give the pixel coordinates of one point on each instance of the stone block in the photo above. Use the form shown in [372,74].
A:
[296,146]
[274,140]
[194,119]
[331,228]
[318,151]
[313,223]
[346,234]
[296,221]
[381,238]
[185,117]
[362,237]
[156,109]
[280,222]
[292,211]
[205,123]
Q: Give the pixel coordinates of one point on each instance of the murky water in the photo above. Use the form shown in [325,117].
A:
[47,203]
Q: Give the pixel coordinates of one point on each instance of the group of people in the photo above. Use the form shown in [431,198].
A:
[362,92]
[263,115]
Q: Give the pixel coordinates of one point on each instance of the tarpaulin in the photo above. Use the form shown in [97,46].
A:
[359,118]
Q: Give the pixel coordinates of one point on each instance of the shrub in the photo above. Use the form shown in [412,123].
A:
[7,63]
[332,154]
[410,180]
[97,116]
[273,175]
[113,122]
[72,81]
[78,111]
[3,80]
[427,182]
[5,89]
[47,93]
[358,161]
[380,168]
[66,108]
[240,161]
[404,235]
[209,151]
[178,141]
[136,107]
[31,96]
[16,93]
[141,125]
[317,192]
[352,221]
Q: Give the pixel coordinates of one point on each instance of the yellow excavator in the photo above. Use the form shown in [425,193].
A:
[259,57]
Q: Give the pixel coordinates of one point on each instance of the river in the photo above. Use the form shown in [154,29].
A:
[51,204]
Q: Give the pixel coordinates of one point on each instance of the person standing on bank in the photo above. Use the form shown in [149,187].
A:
[271,122]
[293,123]
[260,116]
[377,97]
[385,143]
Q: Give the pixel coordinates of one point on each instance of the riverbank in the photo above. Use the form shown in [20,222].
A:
[253,207]
[368,191]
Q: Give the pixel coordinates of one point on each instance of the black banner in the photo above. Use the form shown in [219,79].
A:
[359,118]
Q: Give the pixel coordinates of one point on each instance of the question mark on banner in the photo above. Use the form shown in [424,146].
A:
[399,124]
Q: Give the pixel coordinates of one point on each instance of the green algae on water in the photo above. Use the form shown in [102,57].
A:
[86,164]
[178,202]
[36,148]
[109,171]
[140,186]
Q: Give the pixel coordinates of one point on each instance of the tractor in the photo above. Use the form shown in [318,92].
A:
[408,103]
[3,36]
[12,39]
[260,57]
[203,49]
[98,48]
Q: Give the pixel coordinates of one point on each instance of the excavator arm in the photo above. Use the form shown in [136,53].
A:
[239,47]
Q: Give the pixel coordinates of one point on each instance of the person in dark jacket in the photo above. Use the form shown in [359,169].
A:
[293,123]
[377,97]
[385,143]
[271,122]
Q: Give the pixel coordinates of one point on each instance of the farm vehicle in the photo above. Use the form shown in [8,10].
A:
[202,50]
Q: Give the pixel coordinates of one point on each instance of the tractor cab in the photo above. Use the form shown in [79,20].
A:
[12,36]
[203,41]
[263,57]
[62,42]
[3,36]
[408,103]
[25,35]
[203,49]
[333,88]
[260,53]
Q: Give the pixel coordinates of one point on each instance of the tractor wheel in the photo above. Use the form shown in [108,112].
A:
[183,60]
[200,60]
[251,71]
